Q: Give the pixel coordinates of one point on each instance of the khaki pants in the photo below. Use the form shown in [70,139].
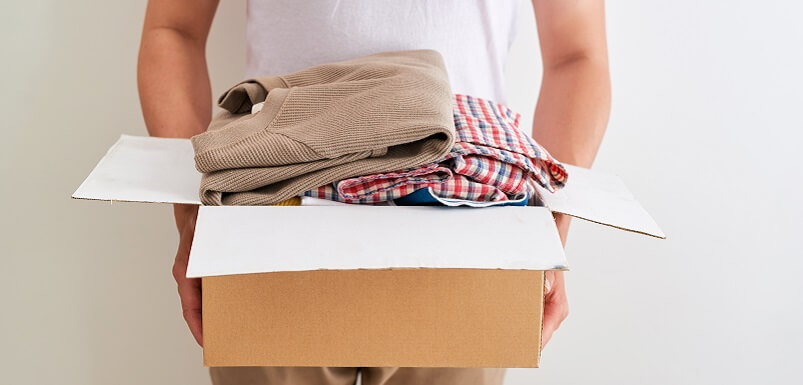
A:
[348,376]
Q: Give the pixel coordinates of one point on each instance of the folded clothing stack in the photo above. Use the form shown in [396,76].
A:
[381,128]
[492,161]
[374,114]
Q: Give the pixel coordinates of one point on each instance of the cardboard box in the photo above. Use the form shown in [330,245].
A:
[364,285]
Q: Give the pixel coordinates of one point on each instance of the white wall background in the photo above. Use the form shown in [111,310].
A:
[705,126]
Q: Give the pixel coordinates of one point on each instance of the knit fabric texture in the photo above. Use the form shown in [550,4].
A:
[374,114]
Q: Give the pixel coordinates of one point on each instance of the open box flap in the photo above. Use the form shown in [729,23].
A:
[255,239]
[147,169]
[144,169]
[601,198]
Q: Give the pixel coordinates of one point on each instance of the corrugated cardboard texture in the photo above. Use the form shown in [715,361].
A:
[389,317]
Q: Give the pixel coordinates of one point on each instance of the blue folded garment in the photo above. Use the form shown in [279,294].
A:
[425,197]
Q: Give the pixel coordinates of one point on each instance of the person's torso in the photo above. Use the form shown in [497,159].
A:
[473,36]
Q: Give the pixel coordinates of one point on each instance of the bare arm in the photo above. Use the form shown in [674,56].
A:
[172,76]
[573,105]
[176,100]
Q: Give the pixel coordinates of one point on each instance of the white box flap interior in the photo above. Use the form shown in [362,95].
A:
[144,169]
[254,239]
[601,198]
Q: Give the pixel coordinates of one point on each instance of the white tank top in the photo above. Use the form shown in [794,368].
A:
[473,36]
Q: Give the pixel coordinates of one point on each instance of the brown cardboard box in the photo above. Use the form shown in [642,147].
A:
[388,317]
[366,286]
[373,286]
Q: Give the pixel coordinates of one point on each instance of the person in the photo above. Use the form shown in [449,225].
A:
[473,36]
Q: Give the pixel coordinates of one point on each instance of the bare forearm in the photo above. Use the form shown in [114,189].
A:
[173,84]
[172,76]
[574,102]
[573,108]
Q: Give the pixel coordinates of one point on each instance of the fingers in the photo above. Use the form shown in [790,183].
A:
[554,314]
[556,305]
[189,290]
[195,324]
[190,293]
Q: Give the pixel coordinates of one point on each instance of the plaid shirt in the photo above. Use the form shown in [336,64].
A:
[491,160]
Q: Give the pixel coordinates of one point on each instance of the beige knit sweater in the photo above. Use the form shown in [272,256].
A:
[369,115]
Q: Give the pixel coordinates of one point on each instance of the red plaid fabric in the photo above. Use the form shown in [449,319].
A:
[506,177]
[462,187]
[487,130]
[490,161]
[389,186]
[329,192]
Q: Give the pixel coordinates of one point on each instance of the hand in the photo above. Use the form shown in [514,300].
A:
[189,289]
[556,304]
